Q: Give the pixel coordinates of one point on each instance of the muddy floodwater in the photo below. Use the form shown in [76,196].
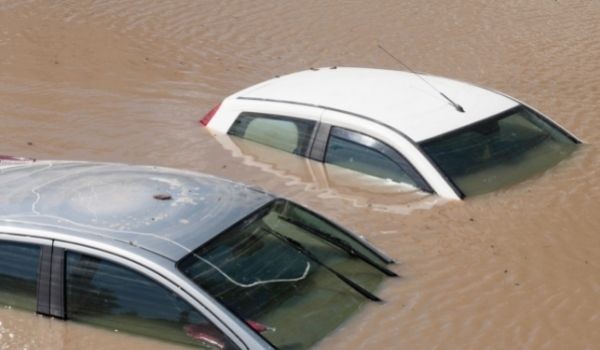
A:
[127,81]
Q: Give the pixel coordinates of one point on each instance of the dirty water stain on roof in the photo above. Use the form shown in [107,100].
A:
[117,202]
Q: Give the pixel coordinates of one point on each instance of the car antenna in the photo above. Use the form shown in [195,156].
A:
[454,104]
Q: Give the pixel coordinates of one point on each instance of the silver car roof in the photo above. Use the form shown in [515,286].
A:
[165,211]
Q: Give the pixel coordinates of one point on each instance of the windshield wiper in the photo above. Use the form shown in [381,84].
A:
[340,243]
[299,247]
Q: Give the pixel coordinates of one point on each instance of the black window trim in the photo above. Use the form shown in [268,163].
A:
[319,142]
[383,148]
[43,280]
[50,286]
[57,283]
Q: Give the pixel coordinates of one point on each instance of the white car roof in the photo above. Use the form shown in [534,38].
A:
[399,99]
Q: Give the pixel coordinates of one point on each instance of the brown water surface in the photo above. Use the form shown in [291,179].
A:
[127,81]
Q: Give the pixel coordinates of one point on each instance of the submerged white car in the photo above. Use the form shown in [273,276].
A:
[439,135]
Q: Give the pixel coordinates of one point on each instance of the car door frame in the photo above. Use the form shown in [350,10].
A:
[328,117]
[167,276]
[382,148]
[406,147]
[51,279]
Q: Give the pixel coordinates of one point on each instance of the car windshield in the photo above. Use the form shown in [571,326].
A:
[499,151]
[289,274]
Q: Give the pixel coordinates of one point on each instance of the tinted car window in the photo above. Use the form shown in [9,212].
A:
[287,134]
[258,271]
[108,295]
[367,155]
[18,274]
[499,151]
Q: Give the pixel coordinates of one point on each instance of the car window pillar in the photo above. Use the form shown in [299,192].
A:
[319,142]
[50,289]
[43,282]
[57,287]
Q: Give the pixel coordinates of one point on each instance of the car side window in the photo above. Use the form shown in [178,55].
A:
[365,154]
[18,275]
[105,294]
[288,134]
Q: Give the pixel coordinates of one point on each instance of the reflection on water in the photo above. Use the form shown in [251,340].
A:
[330,181]
[25,330]
[128,80]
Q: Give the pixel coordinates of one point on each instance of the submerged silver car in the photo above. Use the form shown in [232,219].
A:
[180,256]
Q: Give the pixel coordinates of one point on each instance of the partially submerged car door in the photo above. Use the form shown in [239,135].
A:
[378,150]
[100,289]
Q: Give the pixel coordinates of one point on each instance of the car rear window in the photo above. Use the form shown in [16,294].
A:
[499,151]
[288,134]
[292,300]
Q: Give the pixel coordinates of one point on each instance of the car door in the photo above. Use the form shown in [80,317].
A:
[362,144]
[111,292]
[359,152]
